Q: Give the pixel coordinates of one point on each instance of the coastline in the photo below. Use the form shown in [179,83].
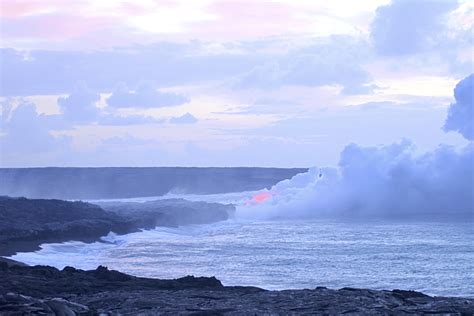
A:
[22,230]
[12,247]
[42,289]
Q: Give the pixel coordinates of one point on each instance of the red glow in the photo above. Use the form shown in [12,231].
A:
[261,197]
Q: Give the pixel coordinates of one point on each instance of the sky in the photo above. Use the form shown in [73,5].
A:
[228,83]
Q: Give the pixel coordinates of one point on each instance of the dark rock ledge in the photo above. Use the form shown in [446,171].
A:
[42,290]
[25,224]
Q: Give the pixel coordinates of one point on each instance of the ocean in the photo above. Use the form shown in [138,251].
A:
[433,257]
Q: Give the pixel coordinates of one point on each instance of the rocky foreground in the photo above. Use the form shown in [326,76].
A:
[45,290]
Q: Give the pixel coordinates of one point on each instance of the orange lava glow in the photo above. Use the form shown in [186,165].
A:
[261,197]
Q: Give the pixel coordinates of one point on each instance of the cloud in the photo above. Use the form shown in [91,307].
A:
[117,120]
[461,113]
[127,140]
[336,60]
[187,118]
[108,23]
[145,96]
[47,26]
[27,132]
[410,26]
[264,106]
[328,129]
[31,139]
[178,64]
[28,138]
[386,182]
[80,105]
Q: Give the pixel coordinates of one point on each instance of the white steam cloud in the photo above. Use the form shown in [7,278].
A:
[461,113]
[385,182]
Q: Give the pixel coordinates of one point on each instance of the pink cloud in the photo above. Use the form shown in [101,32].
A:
[244,19]
[252,10]
[59,26]
[19,8]
[44,20]
[9,8]
[40,21]
[47,19]
[128,8]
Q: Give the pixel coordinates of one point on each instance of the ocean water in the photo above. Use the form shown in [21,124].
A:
[436,258]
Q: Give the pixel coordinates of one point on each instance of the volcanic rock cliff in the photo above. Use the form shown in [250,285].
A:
[27,223]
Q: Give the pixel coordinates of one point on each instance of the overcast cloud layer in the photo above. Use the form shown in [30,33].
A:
[247,83]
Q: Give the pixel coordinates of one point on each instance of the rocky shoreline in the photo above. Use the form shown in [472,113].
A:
[47,290]
[25,224]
